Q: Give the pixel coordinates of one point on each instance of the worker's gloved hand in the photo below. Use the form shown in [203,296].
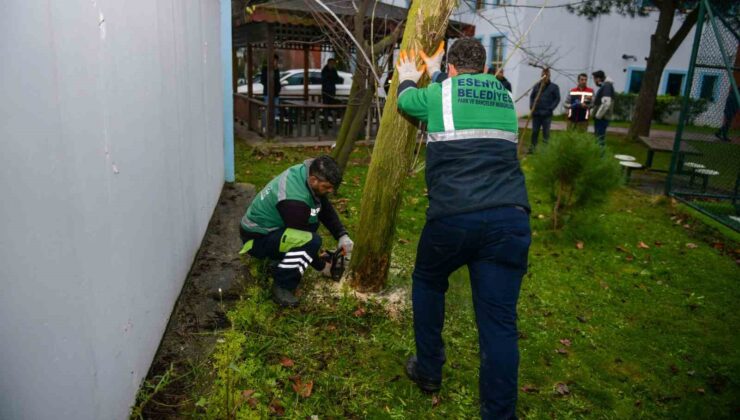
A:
[434,63]
[345,243]
[407,70]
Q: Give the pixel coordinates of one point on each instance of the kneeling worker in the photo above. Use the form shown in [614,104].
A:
[282,221]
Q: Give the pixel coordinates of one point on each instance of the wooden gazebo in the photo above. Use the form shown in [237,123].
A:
[303,25]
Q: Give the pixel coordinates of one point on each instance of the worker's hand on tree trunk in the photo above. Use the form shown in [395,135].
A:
[407,69]
[434,63]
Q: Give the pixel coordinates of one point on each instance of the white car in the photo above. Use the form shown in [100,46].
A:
[292,82]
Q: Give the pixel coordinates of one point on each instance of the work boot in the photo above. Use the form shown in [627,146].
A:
[284,297]
[423,384]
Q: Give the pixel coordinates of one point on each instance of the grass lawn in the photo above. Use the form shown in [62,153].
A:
[637,323]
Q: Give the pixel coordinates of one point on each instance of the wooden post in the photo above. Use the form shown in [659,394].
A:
[305,72]
[250,76]
[270,88]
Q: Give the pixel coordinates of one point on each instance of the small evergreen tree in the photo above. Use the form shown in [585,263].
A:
[575,171]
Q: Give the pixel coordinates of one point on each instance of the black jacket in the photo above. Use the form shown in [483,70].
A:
[549,100]
[329,80]
[275,79]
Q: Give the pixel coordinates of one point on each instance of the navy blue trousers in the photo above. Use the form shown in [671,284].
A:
[600,127]
[494,244]
[292,263]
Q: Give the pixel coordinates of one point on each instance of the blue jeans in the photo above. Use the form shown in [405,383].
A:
[600,130]
[494,244]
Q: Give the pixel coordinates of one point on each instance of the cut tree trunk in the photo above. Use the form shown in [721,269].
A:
[392,157]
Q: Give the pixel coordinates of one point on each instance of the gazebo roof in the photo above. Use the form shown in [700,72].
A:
[294,22]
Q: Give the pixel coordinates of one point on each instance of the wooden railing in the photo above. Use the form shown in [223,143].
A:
[297,119]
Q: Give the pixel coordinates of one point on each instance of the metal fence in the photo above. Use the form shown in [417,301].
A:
[707,178]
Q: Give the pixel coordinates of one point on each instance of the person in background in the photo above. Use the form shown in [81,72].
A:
[542,106]
[329,79]
[500,77]
[276,84]
[578,104]
[731,108]
[603,108]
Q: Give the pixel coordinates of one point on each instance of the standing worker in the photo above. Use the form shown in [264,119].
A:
[329,79]
[478,216]
[542,104]
[578,104]
[603,105]
[282,220]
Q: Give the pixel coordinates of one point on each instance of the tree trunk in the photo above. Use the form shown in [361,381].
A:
[662,48]
[392,158]
[360,100]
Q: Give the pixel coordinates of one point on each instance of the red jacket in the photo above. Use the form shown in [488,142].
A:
[574,101]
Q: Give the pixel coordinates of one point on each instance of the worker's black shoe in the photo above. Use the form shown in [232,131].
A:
[423,384]
[284,297]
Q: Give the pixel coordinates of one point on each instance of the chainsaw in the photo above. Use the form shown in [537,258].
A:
[337,260]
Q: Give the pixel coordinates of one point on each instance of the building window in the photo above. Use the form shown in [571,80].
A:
[708,87]
[674,83]
[634,80]
[497,52]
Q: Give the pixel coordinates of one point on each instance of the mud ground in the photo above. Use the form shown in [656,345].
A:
[200,311]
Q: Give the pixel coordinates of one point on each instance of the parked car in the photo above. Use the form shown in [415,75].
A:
[292,82]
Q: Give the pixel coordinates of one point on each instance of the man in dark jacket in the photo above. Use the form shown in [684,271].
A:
[542,105]
[276,86]
[603,109]
[329,79]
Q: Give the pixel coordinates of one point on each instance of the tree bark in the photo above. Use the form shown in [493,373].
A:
[391,160]
[662,48]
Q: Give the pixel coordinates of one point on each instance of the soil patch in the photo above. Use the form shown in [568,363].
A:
[216,280]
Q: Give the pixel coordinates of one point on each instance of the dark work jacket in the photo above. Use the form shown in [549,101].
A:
[549,100]
[275,79]
[329,80]
[473,174]
[504,81]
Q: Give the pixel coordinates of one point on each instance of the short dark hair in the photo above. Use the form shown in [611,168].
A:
[330,60]
[325,168]
[582,75]
[467,55]
[600,74]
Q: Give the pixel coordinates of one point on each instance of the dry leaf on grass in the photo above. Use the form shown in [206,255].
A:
[285,362]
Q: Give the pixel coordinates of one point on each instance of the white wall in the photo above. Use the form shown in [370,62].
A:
[111,162]
[580,45]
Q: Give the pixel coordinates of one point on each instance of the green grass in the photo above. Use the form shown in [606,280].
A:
[651,328]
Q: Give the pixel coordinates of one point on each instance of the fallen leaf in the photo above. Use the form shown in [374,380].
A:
[629,258]
[643,245]
[700,391]
[331,327]
[276,408]
[622,249]
[658,243]
[718,246]
[435,400]
[565,342]
[247,393]
[581,319]
[692,245]
[691,372]
[360,312]
[562,389]
[286,362]
[301,388]
[562,351]
[603,284]
[579,245]
[252,402]
[403,241]
[530,389]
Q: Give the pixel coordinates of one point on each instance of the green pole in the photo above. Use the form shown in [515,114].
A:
[685,101]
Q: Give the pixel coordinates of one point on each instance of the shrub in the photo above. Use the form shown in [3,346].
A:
[575,171]
[665,105]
